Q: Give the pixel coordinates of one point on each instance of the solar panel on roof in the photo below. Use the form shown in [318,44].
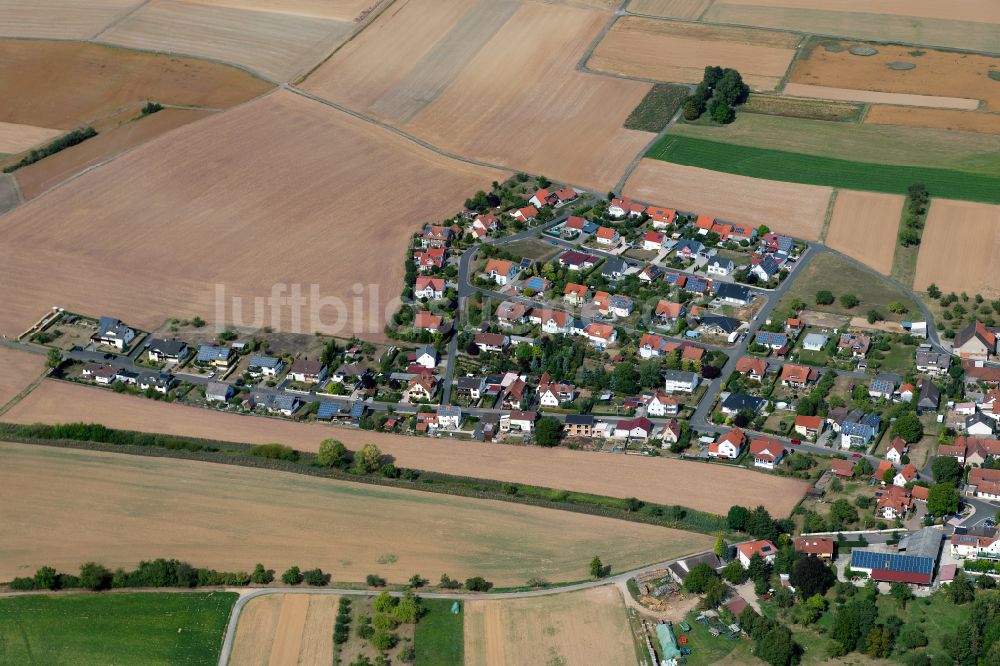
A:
[868,559]
[327,410]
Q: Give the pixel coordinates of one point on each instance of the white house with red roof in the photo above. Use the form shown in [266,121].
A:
[762,547]
[728,446]
[652,240]
[639,428]
[661,217]
[575,294]
[429,287]
[554,322]
[906,475]
[501,271]
[426,321]
[896,449]
[662,404]
[607,236]
[767,452]
[526,214]
[600,335]
[622,207]
[430,260]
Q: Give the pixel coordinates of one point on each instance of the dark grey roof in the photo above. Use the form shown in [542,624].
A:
[167,347]
[579,419]
[469,382]
[929,394]
[727,324]
[734,291]
[612,266]
[740,401]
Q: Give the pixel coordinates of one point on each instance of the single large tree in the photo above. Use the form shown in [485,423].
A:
[811,576]
[942,499]
[699,578]
[548,430]
[946,469]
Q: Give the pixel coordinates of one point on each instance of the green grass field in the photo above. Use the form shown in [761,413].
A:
[440,639]
[797,167]
[657,107]
[146,628]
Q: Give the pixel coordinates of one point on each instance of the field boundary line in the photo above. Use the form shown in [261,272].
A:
[35,383]
[830,205]
[117,21]
[803,39]
[701,16]
[645,150]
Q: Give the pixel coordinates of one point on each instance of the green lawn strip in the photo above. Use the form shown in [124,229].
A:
[439,639]
[145,628]
[657,107]
[816,170]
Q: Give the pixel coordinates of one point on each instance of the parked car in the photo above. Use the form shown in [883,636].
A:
[855,455]
[796,442]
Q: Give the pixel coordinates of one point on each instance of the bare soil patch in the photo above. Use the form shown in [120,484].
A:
[19,369]
[960,248]
[255,630]
[965,121]
[864,226]
[679,52]
[67,84]
[286,629]
[711,488]
[51,171]
[937,73]
[588,627]
[279,191]
[59,19]
[96,506]
[15,137]
[797,210]
[855,95]
[276,44]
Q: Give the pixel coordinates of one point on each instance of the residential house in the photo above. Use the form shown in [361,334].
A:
[218,392]
[816,546]
[501,271]
[600,335]
[541,198]
[896,449]
[766,452]
[156,381]
[741,402]
[430,260]
[510,314]
[704,224]
[99,373]
[515,394]
[426,321]
[809,427]
[979,425]
[857,343]
[929,398]
[671,432]
[842,468]
[579,425]
[720,266]
[449,417]
[575,294]
[436,236]
[651,346]
[653,241]
[639,428]
[574,224]
[484,224]
[971,450]
[881,388]
[775,341]
[554,322]
[563,196]
[859,433]
[307,372]
[662,405]
[984,483]
[427,357]
[667,313]
[526,214]
[518,421]
[762,547]
[421,388]
[577,261]
[976,542]
[113,333]
[735,232]
[285,405]
[975,342]
[265,366]
[772,242]
[428,287]
[553,394]
[894,503]
[752,367]
[728,446]
[765,269]
[883,467]
[719,325]
[688,249]
[158,350]
[491,342]
[661,217]
[932,362]
[906,392]
[620,305]
[347,371]
[679,381]
[814,342]
[650,274]
[607,236]
[216,355]
[906,475]
[622,207]
[798,375]
[734,294]
[613,268]
[536,283]
[470,387]
[794,326]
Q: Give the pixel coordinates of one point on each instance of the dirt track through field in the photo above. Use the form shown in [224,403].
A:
[281,193]
[712,488]
[865,225]
[98,506]
[798,210]
[960,248]
[855,95]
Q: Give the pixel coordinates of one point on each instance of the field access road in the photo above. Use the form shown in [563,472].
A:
[227,645]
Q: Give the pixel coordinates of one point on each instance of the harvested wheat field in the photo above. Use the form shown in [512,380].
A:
[788,208]
[587,627]
[286,630]
[95,506]
[15,137]
[340,10]
[679,52]
[960,248]
[935,73]
[494,81]
[46,174]
[873,97]
[864,226]
[60,19]
[68,84]
[666,481]
[970,24]
[282,166]
[277,44]
[682,9]
[963,121]
[20,369]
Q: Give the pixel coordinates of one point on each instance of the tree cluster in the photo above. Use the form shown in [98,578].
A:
[917,200]
[719,92]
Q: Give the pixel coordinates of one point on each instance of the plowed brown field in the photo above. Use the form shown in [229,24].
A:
[797,210]
[965,121]
[871,96]
[118,509]
[864,226]
[279,191]
[679,52]
[960,248]
[20,369]
[666,481]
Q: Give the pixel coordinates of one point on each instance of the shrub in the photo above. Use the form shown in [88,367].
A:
[375,581]
[477,584]
[275,452]
[95,577]
[292,576]
[261,576]
[316,577]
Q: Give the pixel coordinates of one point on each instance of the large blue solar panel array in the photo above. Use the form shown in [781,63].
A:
[869,559]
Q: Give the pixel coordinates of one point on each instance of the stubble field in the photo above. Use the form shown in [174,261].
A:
[797,210]
[875,97]
[279,191]
[662,480]
[963,121]
[864,226]
[494,82]
[286,630]
[679,52]
[20,369]
[60,19]
[588,627]
[97,506]
[15,137]
[960,248]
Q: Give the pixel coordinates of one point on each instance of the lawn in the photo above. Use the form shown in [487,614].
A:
[832,273]
[899,359]
[708,649]
[657,107]
[795,167]
[148,628]
[439,637]
[533,249]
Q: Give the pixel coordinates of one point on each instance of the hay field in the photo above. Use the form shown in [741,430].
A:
[15,137]
[679,52]
[96,506]
[517,99]
[67,84]
[587,627]
[60,19]
[277,44]
[661,480]
[873,97]
[46,174]
[864,226]
[960,248]
[20,369]
[285,630]
[797,210]
[962,121]
[971,24]
[267,193]
[937,73]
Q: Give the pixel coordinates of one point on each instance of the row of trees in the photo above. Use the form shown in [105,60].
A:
[917,201]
